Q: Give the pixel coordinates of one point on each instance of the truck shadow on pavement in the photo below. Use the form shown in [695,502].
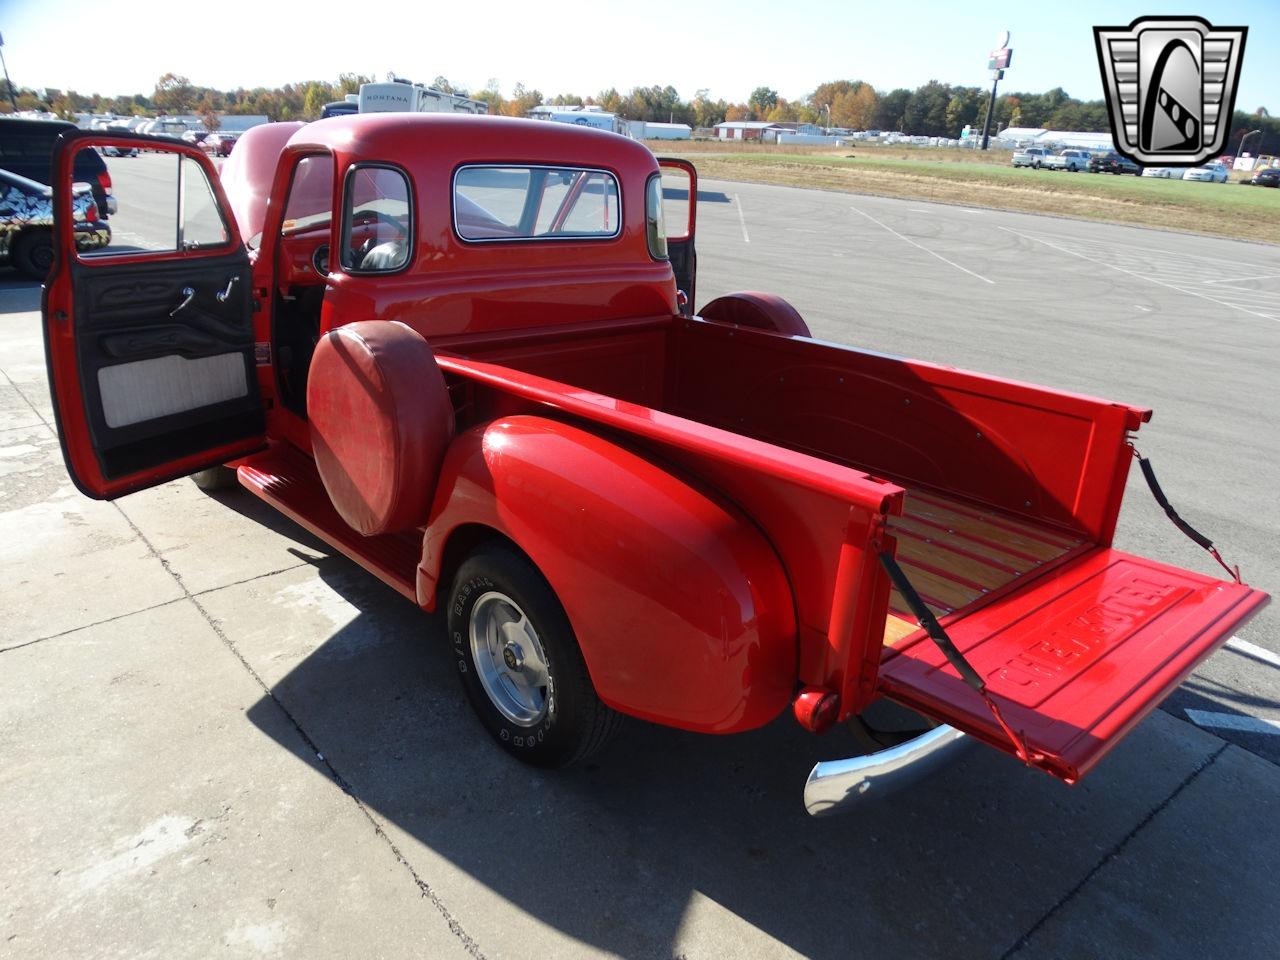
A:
[672,842]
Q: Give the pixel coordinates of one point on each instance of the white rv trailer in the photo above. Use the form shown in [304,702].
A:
[584,116]
[401,97]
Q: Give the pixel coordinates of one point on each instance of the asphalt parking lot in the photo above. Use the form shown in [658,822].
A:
[220,738]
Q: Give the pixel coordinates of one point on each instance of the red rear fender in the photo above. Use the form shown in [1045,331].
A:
[680,605]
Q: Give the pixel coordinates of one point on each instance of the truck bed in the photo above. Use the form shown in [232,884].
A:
[958,552]
[975,515]
[998,499]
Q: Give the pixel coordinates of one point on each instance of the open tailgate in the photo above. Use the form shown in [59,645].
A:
[1075,659]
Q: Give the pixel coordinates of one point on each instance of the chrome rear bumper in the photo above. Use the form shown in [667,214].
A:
[837,785]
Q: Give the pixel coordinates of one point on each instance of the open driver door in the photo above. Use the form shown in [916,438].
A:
[149,336]
[680,199]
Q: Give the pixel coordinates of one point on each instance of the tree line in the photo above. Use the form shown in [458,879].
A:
[933,109]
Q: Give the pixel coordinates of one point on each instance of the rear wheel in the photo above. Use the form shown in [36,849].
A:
[33,253]
[520,664]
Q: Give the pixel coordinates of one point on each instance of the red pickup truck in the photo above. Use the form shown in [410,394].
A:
[462,350]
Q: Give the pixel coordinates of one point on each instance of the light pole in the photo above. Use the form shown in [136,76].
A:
[1240,148]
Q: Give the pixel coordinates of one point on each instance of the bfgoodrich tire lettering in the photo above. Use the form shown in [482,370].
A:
[572,723]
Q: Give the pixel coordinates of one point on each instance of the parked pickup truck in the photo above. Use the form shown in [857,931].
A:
[1113,163]
[462,351]
[1072,161]
[1030,157]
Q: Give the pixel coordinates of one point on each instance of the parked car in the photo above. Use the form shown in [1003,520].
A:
[26,149]
[465,355]
[1266,177]
[1163,173]
[110,151]
[1030,157]
[220,144]
[339,108]
[164,127]
[1073,161]
[1113,163]
[26,224]
[1213,172]
[196,136]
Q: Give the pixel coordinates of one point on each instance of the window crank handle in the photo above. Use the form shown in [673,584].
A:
[188,294]
[223,295]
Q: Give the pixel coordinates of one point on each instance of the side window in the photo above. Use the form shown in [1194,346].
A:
[310,206]
[377,220]
[494,202]
[202,224]
[655,223]
[171,207]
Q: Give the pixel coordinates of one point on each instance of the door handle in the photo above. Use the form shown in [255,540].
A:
[223,295]
[188,294]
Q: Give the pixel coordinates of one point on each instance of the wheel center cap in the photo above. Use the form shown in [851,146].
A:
[513,656]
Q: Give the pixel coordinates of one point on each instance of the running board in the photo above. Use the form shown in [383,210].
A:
[288,480]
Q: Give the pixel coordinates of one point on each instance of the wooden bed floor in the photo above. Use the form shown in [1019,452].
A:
[955,552]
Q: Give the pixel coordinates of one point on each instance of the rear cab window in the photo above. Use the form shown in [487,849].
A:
[495,202]
[377,219]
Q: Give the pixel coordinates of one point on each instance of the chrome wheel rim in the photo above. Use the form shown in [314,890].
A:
[509,658]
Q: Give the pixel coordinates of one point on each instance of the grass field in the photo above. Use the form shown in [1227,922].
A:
[976,179]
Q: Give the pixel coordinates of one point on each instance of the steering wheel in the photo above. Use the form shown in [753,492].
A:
[365,217]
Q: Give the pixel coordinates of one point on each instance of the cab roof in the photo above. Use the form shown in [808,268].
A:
[465,138]
[426,145]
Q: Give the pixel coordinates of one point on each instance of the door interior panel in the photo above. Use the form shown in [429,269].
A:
[141,390]
[684,264]
[162,380]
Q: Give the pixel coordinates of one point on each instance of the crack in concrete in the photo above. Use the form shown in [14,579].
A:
[18,390]
[424,888]
[256,576]
[89,626]
[156,606]
[1114,852]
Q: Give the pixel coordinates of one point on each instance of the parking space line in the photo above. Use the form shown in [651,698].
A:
[1132,273]
[1253,650]
[939,256]
[1233,721]
[1265,276]
[737,202]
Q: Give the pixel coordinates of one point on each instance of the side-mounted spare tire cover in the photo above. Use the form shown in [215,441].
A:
[381,421]
[763,311]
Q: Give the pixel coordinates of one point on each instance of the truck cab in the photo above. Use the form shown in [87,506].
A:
[464,352]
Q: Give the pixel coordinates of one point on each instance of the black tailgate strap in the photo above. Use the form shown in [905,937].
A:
[949,650]
[930,623]
[1192,533]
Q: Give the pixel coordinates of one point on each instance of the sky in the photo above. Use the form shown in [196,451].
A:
[729,47]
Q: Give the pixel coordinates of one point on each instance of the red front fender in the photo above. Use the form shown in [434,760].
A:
[680,605]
